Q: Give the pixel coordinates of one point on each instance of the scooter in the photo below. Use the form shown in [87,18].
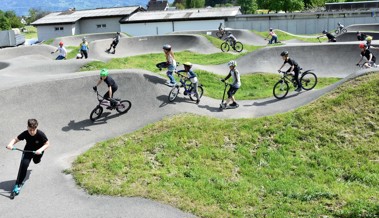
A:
[222,105]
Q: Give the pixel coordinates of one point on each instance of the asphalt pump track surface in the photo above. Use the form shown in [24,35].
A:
[61,100]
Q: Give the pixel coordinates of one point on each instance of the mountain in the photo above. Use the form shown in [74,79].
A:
[21,7]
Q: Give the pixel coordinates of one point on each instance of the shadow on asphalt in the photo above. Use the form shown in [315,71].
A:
[7,186]
[84,124]
[274,100]
[154,79]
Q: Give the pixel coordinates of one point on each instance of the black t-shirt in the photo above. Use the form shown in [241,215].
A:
[361,37]
[110,82]
[367,53]
[35,142]
[292,62]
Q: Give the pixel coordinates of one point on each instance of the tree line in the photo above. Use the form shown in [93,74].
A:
[251,6]
[9,19]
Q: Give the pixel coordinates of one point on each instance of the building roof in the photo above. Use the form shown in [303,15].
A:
[157,5]
[189,14]
[71,16]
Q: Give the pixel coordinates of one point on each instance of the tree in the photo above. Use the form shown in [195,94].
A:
[35,14]
[4,22]
[195,3]
[247,6]
[292,5]
[14,21]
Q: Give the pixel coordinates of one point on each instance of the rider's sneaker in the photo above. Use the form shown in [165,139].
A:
[109,108]
[197,101]
[298,89]
[17,189]
[233,104]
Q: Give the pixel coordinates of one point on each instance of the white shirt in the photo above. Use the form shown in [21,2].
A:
[236,78]
[62,51]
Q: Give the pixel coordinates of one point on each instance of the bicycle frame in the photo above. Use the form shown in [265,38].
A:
[105,102]
[288,77]
[187,86]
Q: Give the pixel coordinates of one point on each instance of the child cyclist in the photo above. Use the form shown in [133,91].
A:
[36,141]
[371,59]
[171,63]
[112,87]
[294,66]
[331,38]
[233,72]
[115,41]
[192,77]
[274,37]
[62,52]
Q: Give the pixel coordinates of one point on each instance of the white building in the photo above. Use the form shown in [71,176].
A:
[73,22]
[163,22]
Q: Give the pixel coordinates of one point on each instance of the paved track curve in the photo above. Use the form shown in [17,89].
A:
[61,99]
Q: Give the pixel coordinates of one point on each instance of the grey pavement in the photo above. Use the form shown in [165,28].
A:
[61,98]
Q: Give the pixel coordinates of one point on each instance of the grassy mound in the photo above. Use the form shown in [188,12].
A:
[319,160]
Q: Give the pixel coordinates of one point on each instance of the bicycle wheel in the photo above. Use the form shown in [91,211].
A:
[96,113]
[308,80]
[337,31]
[225,47]
[219,35]
[238,47]
[123,106]
[200,91]
[173,94]
[281,89]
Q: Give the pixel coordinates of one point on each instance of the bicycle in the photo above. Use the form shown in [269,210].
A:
[308,81]
[371,65]
[225,46]
[13,193]
[122,106]
[188,89]
[340,30]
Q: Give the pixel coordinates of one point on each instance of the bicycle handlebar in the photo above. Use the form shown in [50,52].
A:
[25,151]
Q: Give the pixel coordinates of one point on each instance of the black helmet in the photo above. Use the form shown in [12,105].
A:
[118,33]
[284,53]
[167,47]
[270,29]
[324,31]
[358,32]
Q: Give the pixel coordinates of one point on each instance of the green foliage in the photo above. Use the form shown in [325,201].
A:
[14,21]
[195,3]
[247,6]
[4,22]
[35,14]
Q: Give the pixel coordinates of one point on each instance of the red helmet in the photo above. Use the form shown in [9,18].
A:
[362,45]
[60,43]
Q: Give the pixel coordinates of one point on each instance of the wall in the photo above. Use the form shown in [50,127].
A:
[161,28]
[301,23]
[48,32]
[90,25]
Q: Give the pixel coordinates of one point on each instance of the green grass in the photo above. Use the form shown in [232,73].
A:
[319,160]
[72,51]
[254,86]
[282,36]
[31,32]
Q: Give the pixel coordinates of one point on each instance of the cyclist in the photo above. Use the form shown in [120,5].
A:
[192,77]
[232,39]
[112,87]
[368,43]
[115,41]
[36,141]
[234,73]
[294,67]
[221,28]
[62,52]
[340,26]
[84,48]
[274,37]
[371,59]
[171,64]
[361,36]
[331,38]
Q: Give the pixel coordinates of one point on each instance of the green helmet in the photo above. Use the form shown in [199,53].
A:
[104,72]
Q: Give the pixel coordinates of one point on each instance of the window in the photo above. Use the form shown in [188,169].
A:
[59,28]
[101,26]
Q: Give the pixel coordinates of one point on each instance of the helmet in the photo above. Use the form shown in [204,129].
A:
[284,53]
[339,23]
[229,33]
[118,32]
[324,31]
[232,63]
[84,39]
[189,64]
[104,72]
[60,43]
[368,38]
[167,47]
[270,29]
[362,45]
[358,32]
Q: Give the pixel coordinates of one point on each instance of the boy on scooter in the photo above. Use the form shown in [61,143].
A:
[234,86]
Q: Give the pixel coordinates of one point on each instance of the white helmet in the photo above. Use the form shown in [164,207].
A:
[232,63]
